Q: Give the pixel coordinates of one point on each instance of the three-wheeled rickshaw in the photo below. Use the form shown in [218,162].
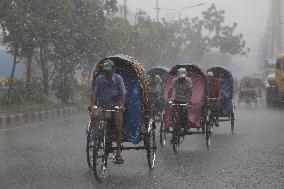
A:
[138,125]
[196,117]
[259,86]
[247,91]
[226,108]
[158,101]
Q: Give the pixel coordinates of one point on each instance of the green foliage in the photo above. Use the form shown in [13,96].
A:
[64,86]
[19,94]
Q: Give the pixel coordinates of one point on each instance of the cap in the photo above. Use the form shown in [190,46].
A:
[182,72]
[210,74]
[108,64]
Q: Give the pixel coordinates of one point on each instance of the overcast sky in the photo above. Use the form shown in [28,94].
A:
[251,15]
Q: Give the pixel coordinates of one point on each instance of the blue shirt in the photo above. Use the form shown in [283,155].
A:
[108,92]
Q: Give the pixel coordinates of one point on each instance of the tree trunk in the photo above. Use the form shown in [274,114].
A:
[29,74]
[11,79]
[44,70]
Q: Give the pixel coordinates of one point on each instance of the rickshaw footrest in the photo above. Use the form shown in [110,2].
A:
[131,148]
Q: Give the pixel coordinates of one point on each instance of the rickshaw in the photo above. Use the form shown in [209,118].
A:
[196,114]
[259,85]
[226,109]
[138,126]
[271,91]
[247,91]
[162,72]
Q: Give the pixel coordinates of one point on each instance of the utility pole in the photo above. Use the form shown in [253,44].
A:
[157,3]
[125,10]
[272,37]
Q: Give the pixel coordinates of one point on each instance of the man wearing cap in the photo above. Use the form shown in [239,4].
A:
[182,86]
[183,89]
[109,92]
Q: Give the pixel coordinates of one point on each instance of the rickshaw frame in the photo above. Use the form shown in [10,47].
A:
[146,127]
[172,129]
[226,110]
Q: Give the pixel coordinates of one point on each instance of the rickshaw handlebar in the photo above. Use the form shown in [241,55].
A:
[183,104]
[214,98]
[117,108]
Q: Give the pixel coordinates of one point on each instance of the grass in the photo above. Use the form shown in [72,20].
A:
[30,107]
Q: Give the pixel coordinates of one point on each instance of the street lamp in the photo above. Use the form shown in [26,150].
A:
[181,10]
[179,15]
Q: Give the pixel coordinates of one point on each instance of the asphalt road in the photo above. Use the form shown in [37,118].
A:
[52,155]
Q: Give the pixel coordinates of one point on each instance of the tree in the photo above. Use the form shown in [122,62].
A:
[11,23]
[199,35]
[75,42]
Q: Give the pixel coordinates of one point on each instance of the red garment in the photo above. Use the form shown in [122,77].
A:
[215,89]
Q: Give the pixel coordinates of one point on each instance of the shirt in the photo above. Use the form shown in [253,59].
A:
[182,88]
[108,92]
[155,84]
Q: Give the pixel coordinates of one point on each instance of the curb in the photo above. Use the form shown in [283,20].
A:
[10,121]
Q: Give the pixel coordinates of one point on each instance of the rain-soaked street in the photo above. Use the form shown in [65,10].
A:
[52,155]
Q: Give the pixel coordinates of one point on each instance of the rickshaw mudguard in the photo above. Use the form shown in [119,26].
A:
[197,100]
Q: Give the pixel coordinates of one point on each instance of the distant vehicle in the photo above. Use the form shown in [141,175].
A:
[259,85]
[271,91]
[279,77]
[247,91]
[275,90]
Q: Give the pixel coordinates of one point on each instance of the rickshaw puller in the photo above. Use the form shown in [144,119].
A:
[109,92]
[183,89]
[155,82]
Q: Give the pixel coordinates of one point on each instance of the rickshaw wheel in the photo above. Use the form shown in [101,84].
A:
[100,155]
[90,151]
[150,142]
[232,122]
[209,126]
[176,138]
[163,134]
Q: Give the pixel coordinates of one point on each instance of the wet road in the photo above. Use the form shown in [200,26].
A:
[52,155]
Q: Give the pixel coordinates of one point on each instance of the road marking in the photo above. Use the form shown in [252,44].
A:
[31,125]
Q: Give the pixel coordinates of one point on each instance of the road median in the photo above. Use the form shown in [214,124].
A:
[16,120]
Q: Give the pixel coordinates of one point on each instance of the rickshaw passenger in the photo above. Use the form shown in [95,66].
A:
[183,89]
[213,86]
[155,87]
[109,92]
[214,92]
